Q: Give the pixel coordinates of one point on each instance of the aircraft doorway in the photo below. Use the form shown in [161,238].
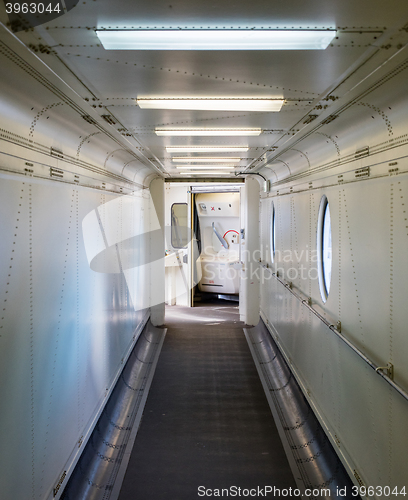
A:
[203,243]
[216,226]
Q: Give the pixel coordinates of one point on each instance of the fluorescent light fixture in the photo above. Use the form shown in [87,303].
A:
[198,159]
[209,39]
[214,167]
[208,131]
[206,149]
[264,104]
[212,173]
[218,188]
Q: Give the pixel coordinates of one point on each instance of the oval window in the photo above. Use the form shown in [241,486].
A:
[324,248]
[272,233]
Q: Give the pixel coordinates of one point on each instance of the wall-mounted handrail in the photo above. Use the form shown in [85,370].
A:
[371,364]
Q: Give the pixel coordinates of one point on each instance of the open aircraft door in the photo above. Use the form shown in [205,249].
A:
[178,243]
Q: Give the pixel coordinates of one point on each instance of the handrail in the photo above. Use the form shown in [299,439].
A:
[336,331]
[222,240]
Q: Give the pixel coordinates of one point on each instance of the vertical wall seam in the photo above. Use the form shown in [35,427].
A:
[30,284]
[404,210]
[310,241]
[291,254]
[312,216]
[8,280]
[340,394]
[105,340]
[57,335]
[353,268]
[122,276]
[391,260]
[281,246]
[297,253]
[391,331]
[80,423]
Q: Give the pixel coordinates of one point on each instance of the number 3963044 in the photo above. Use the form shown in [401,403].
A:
[369,491]
[32,8]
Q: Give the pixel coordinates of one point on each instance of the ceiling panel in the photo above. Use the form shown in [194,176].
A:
[111,80]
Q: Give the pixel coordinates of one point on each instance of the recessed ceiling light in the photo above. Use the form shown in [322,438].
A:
[265,104]
[208,131]
[198,159]
[213,167]
[208,39]
[206,149]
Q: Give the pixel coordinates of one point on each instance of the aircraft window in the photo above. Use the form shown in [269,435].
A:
[324,248]
[179,229]
[272,233]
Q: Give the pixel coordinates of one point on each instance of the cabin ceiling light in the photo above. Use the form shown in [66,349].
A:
[212,173]
[208,131]
[197,159]
[206,149]
[213,167]
[271,104]
[210,39]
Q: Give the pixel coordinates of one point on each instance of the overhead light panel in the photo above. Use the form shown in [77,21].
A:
[269,104]
[214,167]
[208,39]
[208,159]
[206,149]
[218,188]
[180,132]
[212,173]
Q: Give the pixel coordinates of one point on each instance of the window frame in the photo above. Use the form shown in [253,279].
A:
[174,227]
[272,232]
[324,274]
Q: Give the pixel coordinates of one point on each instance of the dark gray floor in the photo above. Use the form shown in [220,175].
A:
[206,421]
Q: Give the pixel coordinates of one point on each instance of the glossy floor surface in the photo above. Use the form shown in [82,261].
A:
[206,421]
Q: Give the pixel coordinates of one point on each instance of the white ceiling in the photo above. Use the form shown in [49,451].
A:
[111,80]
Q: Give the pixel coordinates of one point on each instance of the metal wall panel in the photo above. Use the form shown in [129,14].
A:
[365,417]
[65,329]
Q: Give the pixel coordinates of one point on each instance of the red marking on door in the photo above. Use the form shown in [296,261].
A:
[231,231]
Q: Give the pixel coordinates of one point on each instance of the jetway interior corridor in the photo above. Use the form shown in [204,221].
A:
[202,426]
[121,122]
[206,421]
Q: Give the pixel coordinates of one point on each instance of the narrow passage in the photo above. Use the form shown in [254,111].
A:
[206,421]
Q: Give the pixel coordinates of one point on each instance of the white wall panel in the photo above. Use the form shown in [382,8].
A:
[361,411]
[64,328]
